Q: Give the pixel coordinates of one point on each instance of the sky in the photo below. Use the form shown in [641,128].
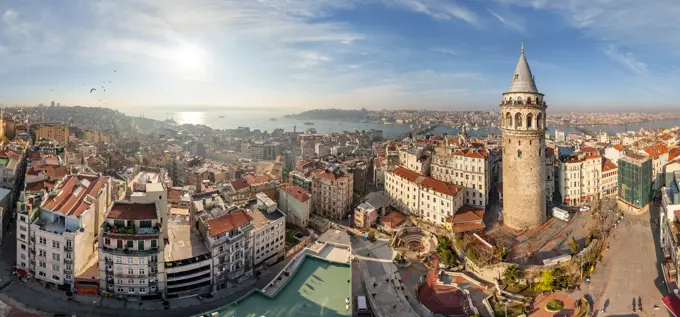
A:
[586,55]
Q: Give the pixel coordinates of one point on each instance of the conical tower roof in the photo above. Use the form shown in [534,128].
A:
[523,80]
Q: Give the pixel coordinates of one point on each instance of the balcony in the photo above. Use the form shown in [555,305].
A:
[108,261]
[126,251]
[109,268]
[131,230]
[68,248]
[68,271]
[67,260]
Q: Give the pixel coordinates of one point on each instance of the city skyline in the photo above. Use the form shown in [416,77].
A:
[440,55]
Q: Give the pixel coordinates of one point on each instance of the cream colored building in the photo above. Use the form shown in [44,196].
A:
[57,234]
[268,236]
[468,168]
[131,251]
[610,178]
[332,192]
[424,197]
[95,137]
[549,173]
[579,177]
[295,202]
[415,159]
[659,155]
[53,131]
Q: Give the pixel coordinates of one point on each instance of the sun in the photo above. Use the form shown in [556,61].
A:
[189,58]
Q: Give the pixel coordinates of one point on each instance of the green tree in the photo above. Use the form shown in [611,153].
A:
[545,283]
[512,274]
[573,245]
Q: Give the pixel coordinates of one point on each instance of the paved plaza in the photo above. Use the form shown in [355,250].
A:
[630,270]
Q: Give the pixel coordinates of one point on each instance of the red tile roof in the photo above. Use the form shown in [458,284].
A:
[39,185]
[481,153]
[331,176]
[607,165]
[239,184]
[228,222]
[392,219]
[619,147]
[132,211]
[431,183]
[656,150]
[298,193]
[70,196]
[255,180]
[673,153]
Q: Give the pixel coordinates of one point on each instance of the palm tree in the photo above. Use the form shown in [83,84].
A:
[512,274]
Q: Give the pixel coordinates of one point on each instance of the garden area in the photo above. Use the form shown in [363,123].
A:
[294,235]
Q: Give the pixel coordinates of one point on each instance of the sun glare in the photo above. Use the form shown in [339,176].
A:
[189,58]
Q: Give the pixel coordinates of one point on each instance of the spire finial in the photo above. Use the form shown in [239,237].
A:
[522,47]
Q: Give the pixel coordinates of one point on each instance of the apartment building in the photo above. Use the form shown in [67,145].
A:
[468,168]
[424,197]
[268,234]
[94,137]
[188,262]
[62,228]
[227,237]
[669,226]
[659,155]
[415,159]
[332,191]
[53,131]
[610,178]
[579,177]
[131,251]
[295,202]
[260,150]
[635,182]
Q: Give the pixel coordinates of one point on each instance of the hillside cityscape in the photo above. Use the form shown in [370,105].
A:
[353,158]
[108,214]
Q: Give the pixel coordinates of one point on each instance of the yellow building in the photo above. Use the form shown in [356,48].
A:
[53,131]
[95,137]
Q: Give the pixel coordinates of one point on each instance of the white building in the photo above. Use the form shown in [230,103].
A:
[421,196]
[57,234]
[468,168]
[415,159]
[579,177]
[610,178]
[659,155]
[295,202]
[268,236]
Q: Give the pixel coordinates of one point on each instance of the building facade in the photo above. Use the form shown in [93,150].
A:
[332,192]
[53,131]
[131,248]
[465,167]
[635,182]
[523,114]
[579,177]
[62,234]
[295,202]
[424,197]
[609,179]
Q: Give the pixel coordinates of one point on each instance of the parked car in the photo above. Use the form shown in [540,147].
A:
[584,208]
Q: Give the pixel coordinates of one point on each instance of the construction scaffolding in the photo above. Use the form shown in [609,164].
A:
[635,180]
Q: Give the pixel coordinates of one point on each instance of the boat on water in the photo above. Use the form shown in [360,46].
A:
[272,119]
[221,116]
[308,123]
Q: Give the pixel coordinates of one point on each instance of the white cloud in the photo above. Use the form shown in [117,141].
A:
[447,51]
[624,22]
[438,9]
[626,59]
[512,23]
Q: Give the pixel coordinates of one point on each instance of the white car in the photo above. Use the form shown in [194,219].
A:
[584,208]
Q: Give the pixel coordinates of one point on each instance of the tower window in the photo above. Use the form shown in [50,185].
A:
[516,76]
[519,154]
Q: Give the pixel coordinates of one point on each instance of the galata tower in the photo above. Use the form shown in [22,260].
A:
[523,131]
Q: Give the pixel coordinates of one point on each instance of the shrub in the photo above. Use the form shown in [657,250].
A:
[545,283]
[554,305]
[573,245]
[512,274]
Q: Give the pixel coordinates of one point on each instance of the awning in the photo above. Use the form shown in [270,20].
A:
[21,272]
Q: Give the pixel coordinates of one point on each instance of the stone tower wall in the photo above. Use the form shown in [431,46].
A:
[524,205]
